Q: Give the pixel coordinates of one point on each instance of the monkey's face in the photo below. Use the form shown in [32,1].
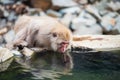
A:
[59,42]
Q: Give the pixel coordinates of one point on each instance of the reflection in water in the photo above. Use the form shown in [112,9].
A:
[5,65]
[50,66]
[97,60]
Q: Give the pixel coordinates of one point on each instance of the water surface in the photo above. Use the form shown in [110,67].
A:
[49,66]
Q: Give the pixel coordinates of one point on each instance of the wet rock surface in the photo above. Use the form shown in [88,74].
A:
[5,54]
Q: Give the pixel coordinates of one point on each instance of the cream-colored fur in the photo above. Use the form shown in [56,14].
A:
[43,32]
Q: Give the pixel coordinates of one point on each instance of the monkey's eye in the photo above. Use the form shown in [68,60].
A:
[54,34]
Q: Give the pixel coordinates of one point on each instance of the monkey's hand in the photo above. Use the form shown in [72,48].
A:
[20,44]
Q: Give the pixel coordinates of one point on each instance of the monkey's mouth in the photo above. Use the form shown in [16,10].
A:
[61,50]
[63,47]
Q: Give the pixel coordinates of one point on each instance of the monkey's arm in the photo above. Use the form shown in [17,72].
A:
[20,38]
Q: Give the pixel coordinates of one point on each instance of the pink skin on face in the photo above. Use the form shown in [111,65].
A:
[63,47]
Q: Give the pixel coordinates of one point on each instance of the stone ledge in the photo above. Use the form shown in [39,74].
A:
[5,54]
[99,42]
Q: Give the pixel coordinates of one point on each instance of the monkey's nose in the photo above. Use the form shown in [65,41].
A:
[65,44]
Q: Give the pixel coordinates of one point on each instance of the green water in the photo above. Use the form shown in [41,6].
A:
[49,66]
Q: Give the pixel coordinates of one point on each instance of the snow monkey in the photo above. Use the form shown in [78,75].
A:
[43,32]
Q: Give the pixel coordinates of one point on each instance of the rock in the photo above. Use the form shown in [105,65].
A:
[117,25]
[5,54]
[53,13]
[4,66]
[92,1]
[67,18]
[35,12]
[16,53]
[1,13]
[27,52]
[2,23]
[6,13]
[64,3]
[99,42]
[103,12]
[84,18]
[112,14]
[38,49]
[19,8]
[82,29]
[9,36]
[12,16]
[81,1]
[42,13]
[10,25]
[75,9]
[1,40]
[101,4]
[7,1]
[85,24]
[108,23]
[3,31]
[32,11]
[114,5]
[94,11]
[23,62]
[42,4]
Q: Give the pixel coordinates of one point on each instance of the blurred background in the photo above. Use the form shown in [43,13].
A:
[82,17]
